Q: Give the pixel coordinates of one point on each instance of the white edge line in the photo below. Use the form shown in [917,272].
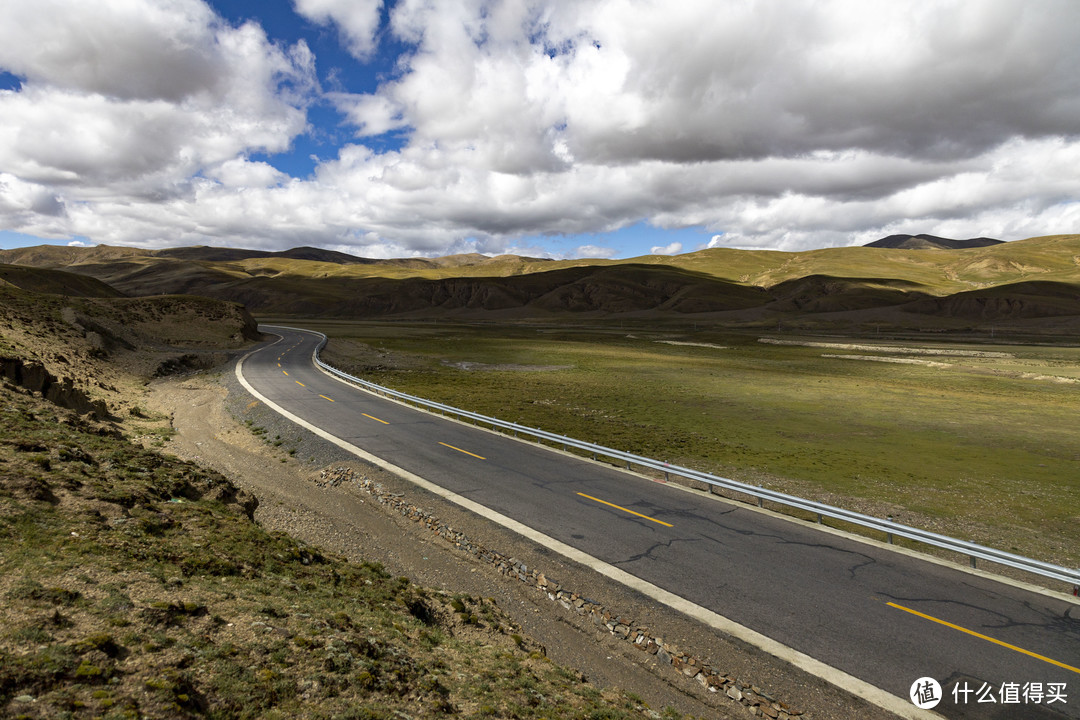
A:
[839,678]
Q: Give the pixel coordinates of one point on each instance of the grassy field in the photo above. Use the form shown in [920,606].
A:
[133,585]
[977,441]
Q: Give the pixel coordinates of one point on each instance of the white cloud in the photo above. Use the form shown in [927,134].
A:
[133,99]
[241,173]
[594,251]
[357,20]
[671,249]
[784,126]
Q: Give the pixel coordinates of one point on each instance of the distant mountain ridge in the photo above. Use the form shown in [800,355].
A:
[1032,283]
[930,242]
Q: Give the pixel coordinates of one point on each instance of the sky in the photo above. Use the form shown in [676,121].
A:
[557,128]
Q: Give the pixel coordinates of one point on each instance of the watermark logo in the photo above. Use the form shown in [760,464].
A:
[925,693]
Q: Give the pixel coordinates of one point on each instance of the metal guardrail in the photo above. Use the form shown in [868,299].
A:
[821,510]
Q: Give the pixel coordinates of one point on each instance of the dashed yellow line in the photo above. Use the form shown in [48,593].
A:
[375,418]
[984,637]
[326,398]
[620,507]
[286,372]
[462,451]
[299,383]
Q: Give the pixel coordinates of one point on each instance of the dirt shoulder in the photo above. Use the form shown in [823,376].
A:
[219,425]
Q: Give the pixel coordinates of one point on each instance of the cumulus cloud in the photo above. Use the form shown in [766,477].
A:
[594,251]
[357,20]
[133,99]
[788,126]
[671,249]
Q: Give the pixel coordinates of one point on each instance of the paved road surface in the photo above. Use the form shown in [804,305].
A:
[881,616]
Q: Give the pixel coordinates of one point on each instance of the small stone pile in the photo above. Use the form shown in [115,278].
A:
[756,700]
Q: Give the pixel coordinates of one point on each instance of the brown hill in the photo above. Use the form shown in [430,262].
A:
[45,338]
[56,282]
[930,242]
[822,293]
[840,287]
[1024,300]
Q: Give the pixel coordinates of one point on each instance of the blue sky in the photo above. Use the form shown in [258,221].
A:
[548,128]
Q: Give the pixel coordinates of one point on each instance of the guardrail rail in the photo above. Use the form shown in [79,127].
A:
[972,550]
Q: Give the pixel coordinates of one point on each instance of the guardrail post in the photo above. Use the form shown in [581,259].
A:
[819,518]
[890,538]
[972,561]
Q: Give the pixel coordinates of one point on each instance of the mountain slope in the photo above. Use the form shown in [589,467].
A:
[930,242]
[726,285]
[136,584]
[56,282]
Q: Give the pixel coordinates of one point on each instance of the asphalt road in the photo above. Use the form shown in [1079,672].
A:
[879,615]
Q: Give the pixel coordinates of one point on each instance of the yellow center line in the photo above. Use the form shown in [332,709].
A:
[286,372]
[299,383]
[326,398]
[984,637]
[619,507]
[279,364]
[462,451]
[375,418]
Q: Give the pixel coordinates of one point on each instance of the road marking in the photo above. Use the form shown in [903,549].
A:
[984,637]
[279,364]
[619,507]
[462,451]
[326,398]
[286,373]
[375,418]
[901,707]
[299,383]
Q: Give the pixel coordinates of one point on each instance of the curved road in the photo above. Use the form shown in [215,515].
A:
[879,615]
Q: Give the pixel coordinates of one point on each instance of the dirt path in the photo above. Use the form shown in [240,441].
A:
[347,521]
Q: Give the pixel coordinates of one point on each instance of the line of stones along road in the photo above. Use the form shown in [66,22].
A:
[757,701]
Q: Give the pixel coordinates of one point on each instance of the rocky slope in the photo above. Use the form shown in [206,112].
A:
[135,584]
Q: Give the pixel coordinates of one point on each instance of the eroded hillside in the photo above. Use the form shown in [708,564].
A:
[134,584]
[1033,283]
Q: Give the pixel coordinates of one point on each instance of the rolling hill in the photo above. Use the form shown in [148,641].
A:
[930,242]
[949,288]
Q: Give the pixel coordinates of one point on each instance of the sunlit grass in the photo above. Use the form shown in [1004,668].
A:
[975,442]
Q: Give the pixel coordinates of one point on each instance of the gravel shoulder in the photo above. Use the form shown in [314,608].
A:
[219,425]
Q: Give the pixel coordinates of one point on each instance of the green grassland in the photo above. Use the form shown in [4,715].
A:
[978,445]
